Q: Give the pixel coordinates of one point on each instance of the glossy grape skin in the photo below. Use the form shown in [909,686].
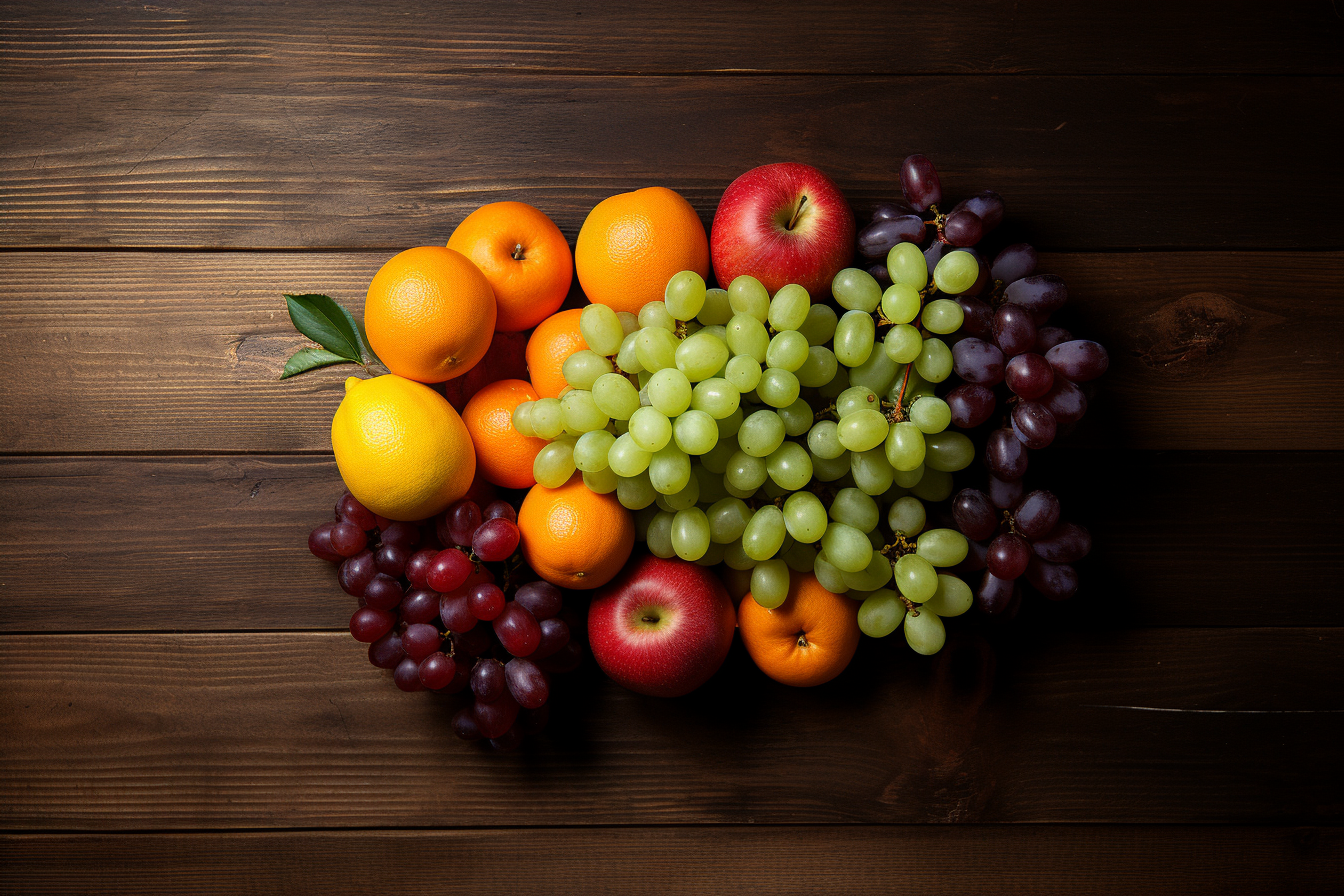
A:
[1049,337]
[881,613]
[319,543]
[526,683]
[1028,375]
[1005,456]
[952,598]
[971,404]
[956,272]
[419,605]
[1008,556]
[368,624]
[819,325]
[1065,401]
[1056,581]
[942,547]
[924,632]
[994,595]
[854,336]
[975,516]
[1014,330]
[495,540]
[764,534]
[1079,361]
[1036,514]
[1004,493]
[517,629]
[1066,543]
[916,578]
[1033,425]
[920,183]
[977,361]
[893,208]
[349,509]
[437,671]
[1039,294]
[987,205]
[879,237]
[977,317]
[906,516]
[948,452]
[356,572]
[1013,263]
[848,549]
[406,675]
[386,652]
[907,266]
[963,228]
[554,635]
[383,592]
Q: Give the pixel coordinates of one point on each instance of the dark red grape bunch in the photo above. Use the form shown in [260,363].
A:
[1013,535]
[424,587]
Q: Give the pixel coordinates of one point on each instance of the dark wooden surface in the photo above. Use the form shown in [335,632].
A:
[179,708]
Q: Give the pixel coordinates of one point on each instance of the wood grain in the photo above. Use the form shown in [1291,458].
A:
[1091,860]
[178,352]
[393,41]
[297,730]
[219,543]
[305,159]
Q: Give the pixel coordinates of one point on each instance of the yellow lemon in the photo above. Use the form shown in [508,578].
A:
[401,448]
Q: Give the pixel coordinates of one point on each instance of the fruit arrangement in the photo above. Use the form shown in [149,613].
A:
[786,445]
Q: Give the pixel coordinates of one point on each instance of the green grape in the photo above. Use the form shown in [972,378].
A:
[627,359]
[934,485]
[770,583]
[695,432]
[713,555]
[787,351]
[931,415]
[819,325]
[626,458]
[903,344]
[836,384]
[942,316]
[522,419]
[863,430]
[655,347]
[581,412]
[764,534]
[554,464]
[819,368]
[778,388]
[659,536]
[547,418]
[727,519]
[746,472]
[877,373]
[935,361]
[743,372]
[718,331]
[942,547]
[629,323]
[916,578]
[616,396]
[848,549]
[797,417]
[717,310]
[642,520]
[772,490]
[716,397]
[669,469]
[828,576]
[909,478]
[906,516]
[881,613]
[855,399]
[687,497]
[829,469]
[642,381]
[736,492]
[711,485]
[692,327]
[823,440]
[582,368]
[734,557]
[908,386]
[747,336]
[669,391]
[948,451]
[900,303]
[650,429]
[800,557]
[952,598]
[716,459]
[856,290]
[924,632]
[789,307]
[872,577]
[905,446]
[635,492]
[690,533]
[748,296]
[906,265]
[956,272]
[789,466]
[601,329]
[761,433]
[854,508]
[602,482]
[701,356]
[872,473]
[685,295]
[729,425]
[656,315]
[854,338]
[804,517]
[590,451]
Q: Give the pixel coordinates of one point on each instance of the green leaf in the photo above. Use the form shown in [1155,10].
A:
[364,337]
[325,322]
[310,359]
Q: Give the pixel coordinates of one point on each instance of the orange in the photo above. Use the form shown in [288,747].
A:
[430,314]
[573,537]
[554,340]
[503,455]
[523,255]
[632,243]
[807,640]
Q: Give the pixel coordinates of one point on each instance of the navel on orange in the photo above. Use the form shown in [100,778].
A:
[807,640]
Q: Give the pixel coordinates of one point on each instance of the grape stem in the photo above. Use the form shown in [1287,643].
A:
[910,606]
[900,546]
[826,413]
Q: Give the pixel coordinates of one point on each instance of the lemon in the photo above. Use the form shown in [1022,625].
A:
[401,448]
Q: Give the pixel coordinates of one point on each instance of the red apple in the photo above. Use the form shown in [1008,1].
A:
[783,223]
[662,628]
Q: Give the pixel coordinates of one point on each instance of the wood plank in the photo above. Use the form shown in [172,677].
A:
[159,352]
[1109,860]
[297,730]
[303,159]
[404,38]
[219,543]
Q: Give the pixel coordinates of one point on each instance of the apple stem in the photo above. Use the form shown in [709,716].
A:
[518,252]
[796,212]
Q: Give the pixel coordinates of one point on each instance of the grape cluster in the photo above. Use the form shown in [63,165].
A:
[424,587]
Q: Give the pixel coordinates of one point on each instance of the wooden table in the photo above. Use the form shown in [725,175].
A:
[181,708]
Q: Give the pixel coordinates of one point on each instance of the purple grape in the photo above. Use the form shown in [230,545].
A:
[1033,425]
[994,594]
[495,540]
[1014,330]
[880,274]
[894,209]
[347,539]
[517,629]
[1029,375]
[419,605]
[356,573]
[405,535]
[1066,543]
[391,560]
[1036,514]
[437,671]
[1039,293]
[963,228]
[919,182]
[455,612]
[465,725]
[417,567]
[1014,263]
[420,640]
[1065,401]
[554,635]
[1008,556]
[499,510]
[981,278]
[527,683]
[486,601]
[977,361]
[383,592]
[879,237]
[386,652]
[978,317]
[368,624]
[987,206]
[1005,456]
[487,680]
[319,542]
[975,559]
[935,253]
[541,598]
[497,717]
[1055,580]
[971,404]
[1049,337]
[461,520]
[349,509]
[974,514]
[407,675]
[1079,361]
